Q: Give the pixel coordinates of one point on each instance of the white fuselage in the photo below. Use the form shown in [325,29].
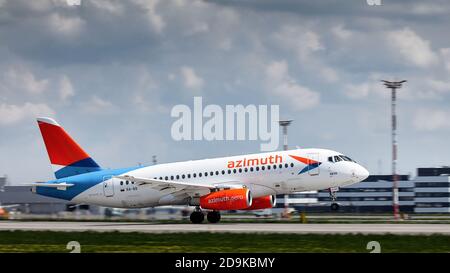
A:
[251,171]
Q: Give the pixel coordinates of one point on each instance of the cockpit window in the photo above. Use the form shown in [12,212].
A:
[338,158]
[348,158]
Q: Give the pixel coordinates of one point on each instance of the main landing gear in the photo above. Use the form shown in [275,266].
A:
[334,204]
[213,216]
[197,216]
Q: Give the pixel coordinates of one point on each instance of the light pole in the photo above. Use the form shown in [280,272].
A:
[285,124]
[394,86]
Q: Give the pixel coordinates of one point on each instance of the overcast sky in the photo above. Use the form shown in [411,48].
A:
[111,71]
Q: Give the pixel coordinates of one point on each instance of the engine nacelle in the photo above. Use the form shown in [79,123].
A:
[264,202]
[232,199]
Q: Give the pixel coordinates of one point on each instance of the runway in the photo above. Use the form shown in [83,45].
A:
[423,229]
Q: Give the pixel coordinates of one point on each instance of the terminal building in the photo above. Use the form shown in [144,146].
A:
[432,190]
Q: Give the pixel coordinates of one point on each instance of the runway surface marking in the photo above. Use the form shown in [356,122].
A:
[234,228]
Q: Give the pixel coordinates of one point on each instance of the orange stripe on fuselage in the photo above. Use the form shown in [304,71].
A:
[304,160]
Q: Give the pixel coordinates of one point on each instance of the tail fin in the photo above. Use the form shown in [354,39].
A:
[66,156]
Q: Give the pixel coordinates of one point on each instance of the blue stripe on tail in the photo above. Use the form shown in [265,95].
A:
[86,165]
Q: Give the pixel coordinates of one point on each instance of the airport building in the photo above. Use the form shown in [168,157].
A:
[2,182]
[432,190]
[27,202]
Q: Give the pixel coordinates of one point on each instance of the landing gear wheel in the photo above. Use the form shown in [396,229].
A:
[213,216]
[334,206]
[197,217]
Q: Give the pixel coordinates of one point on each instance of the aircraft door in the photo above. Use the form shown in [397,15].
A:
[108,186]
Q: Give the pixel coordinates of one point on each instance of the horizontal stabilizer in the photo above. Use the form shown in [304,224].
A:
[59,186]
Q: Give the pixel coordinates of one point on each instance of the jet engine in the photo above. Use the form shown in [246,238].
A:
[231,199]
[264,202]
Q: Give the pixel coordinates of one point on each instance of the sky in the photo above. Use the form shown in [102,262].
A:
[111,71]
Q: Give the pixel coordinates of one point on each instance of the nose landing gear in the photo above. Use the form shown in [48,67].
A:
[334,204]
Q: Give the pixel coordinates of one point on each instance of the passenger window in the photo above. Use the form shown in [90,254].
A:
[166,178]
[160,178]
[171,177]
[251,169]
[194,175]
[257,168]
[280,166]
[286,165]
[199,174]
[274,167]
[223,172]
[245,170]
[178,177]
[240,170]
[206,173]
[292,165]
[126,182]
[121,183]
[189,175]
[268,167]
[234,170]
[217,172]
[183,176]
[229,171]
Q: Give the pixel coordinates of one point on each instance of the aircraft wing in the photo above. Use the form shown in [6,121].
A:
[167,184]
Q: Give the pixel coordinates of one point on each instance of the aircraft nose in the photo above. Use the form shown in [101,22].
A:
[362,173]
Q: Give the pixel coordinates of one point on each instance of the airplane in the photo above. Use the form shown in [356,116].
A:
[244,182]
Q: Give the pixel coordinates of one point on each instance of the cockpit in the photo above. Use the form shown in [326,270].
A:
[337,158]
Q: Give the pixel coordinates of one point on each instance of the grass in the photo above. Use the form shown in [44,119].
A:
[47,241]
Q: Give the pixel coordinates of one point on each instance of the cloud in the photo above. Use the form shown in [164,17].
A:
[190,78]
[357,91]
[341,33]
[97,105]
[412,47]
[431,120]
[11,114]
[302,41]
[20,78]
[445,53]
[65,88]
[67,26]
[281,84]
[156,21]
